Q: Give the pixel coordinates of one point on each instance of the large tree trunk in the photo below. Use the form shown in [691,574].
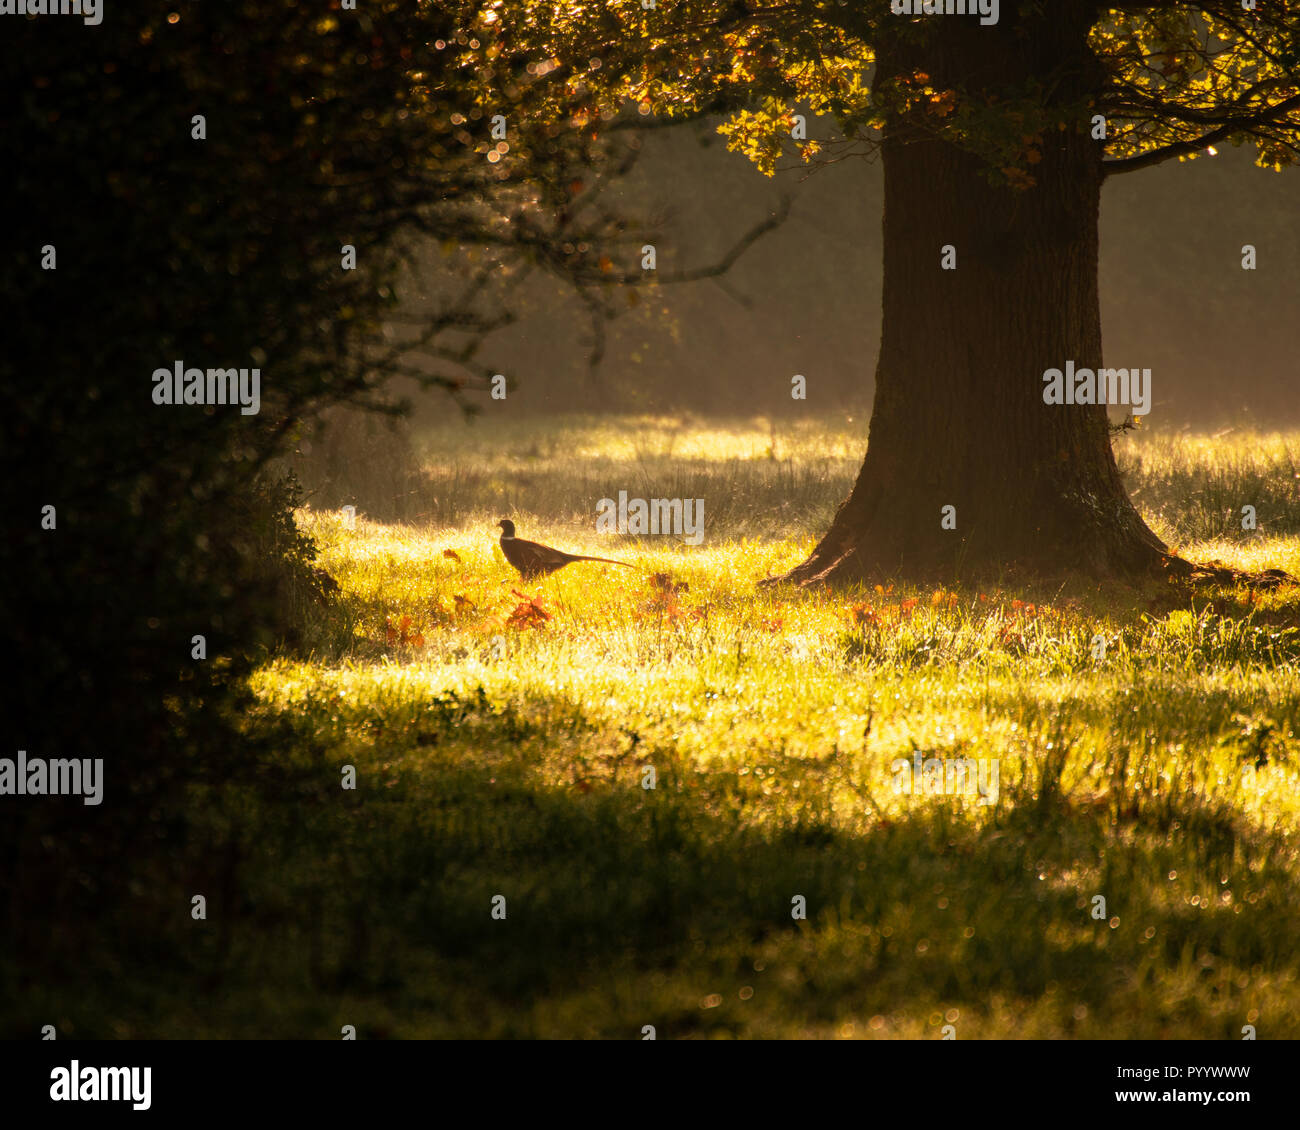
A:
[959,418]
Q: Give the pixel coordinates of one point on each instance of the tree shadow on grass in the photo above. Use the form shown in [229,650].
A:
[676,906]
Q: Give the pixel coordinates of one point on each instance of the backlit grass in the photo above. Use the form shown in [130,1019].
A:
[501,734]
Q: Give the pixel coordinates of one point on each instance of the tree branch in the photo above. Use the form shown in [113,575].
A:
[1182,148]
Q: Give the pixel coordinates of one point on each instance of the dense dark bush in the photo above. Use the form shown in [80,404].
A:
[220,252]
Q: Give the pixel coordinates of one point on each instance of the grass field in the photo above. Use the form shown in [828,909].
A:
[502,735]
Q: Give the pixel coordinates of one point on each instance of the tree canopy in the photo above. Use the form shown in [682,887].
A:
[1171,79]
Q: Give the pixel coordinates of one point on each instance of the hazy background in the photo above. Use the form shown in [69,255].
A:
[806,298]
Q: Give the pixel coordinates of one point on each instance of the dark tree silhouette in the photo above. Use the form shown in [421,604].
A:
[194,185]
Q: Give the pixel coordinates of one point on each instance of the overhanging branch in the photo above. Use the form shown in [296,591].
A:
[1183,148]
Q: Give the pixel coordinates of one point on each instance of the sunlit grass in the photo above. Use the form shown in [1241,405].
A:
[501,734]
[628,439]
[1192,487]
[760,477]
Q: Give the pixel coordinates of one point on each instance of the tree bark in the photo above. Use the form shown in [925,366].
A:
[959,418]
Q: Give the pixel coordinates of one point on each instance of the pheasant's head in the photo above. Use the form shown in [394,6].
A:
[507,528]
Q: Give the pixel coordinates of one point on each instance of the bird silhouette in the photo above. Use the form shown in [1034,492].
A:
[533,559]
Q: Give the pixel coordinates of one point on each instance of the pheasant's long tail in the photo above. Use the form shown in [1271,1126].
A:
[606,560]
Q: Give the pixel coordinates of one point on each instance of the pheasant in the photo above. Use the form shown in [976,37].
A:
[535,560]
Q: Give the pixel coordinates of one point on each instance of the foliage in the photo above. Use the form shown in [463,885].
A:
[322,129]
[1172,79]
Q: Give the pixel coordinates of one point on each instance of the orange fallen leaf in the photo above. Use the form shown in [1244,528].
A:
[528,613]
[863,614]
